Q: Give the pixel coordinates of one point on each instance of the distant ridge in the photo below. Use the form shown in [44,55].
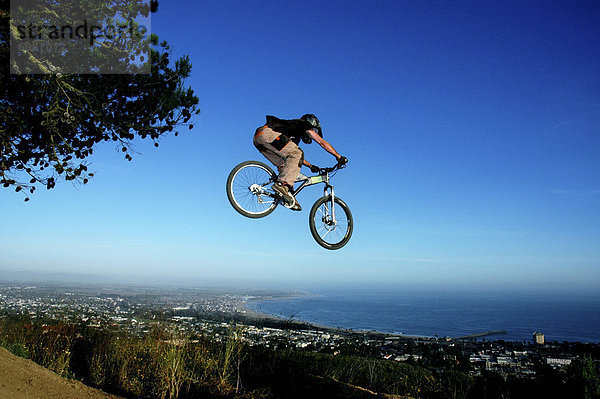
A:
[47,277]
[174,280]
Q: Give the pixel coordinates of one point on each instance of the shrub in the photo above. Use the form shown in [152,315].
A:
[18,349]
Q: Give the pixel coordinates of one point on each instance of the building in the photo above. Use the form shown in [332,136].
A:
[558,362]
[538,338]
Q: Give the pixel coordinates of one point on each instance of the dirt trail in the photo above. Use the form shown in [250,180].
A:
[23,379]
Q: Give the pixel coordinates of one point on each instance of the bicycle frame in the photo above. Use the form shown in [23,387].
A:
[306,181]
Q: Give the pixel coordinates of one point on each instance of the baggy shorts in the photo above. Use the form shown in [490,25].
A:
[281,151]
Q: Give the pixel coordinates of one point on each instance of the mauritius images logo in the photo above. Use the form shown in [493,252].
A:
[79,36]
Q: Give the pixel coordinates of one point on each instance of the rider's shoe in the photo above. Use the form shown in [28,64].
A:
[284,191]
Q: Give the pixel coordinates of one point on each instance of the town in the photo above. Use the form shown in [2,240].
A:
[214,312]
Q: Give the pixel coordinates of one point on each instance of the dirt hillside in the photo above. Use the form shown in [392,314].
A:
[23,379]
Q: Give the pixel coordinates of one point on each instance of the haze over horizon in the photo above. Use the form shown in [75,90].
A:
[471,130]
[65,280]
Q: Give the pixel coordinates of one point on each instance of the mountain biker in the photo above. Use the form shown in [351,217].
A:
[278,141]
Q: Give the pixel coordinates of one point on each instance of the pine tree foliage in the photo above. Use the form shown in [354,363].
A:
[51,123]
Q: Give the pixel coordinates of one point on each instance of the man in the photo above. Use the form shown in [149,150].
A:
[278,141]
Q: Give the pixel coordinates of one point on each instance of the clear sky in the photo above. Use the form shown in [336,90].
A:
[472,130]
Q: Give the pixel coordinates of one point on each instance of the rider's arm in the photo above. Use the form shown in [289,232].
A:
[323,143]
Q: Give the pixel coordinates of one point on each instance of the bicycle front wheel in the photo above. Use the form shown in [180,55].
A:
[249,189]
[328,231]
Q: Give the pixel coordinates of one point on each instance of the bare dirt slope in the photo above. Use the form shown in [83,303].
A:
[23,379]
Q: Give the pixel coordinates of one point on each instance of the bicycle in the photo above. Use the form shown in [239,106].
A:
[249,192]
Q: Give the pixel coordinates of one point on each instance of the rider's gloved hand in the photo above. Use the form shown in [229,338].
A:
[342,161]
[314,168]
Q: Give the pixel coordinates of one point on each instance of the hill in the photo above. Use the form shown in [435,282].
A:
[23,379]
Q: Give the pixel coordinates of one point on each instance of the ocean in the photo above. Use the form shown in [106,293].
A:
[430,313]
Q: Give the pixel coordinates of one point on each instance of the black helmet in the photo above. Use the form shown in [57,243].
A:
[314,122]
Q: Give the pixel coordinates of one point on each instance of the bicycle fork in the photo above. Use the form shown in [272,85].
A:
[329,188]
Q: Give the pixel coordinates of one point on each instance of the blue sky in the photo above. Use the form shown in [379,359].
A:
[471,130]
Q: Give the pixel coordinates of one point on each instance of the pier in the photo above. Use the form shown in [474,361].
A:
[483,334]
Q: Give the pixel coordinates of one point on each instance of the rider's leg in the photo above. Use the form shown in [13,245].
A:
[285,155]
[282,152]
[291,167]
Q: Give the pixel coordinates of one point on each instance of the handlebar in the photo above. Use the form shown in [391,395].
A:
[337,166]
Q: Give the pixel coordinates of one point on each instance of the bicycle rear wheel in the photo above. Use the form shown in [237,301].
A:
[327,232]
[249,191]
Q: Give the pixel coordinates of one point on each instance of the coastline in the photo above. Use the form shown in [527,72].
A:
[518,317]
[252,315]
[247,312]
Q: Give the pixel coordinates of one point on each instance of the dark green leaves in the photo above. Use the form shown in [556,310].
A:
[50,124]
